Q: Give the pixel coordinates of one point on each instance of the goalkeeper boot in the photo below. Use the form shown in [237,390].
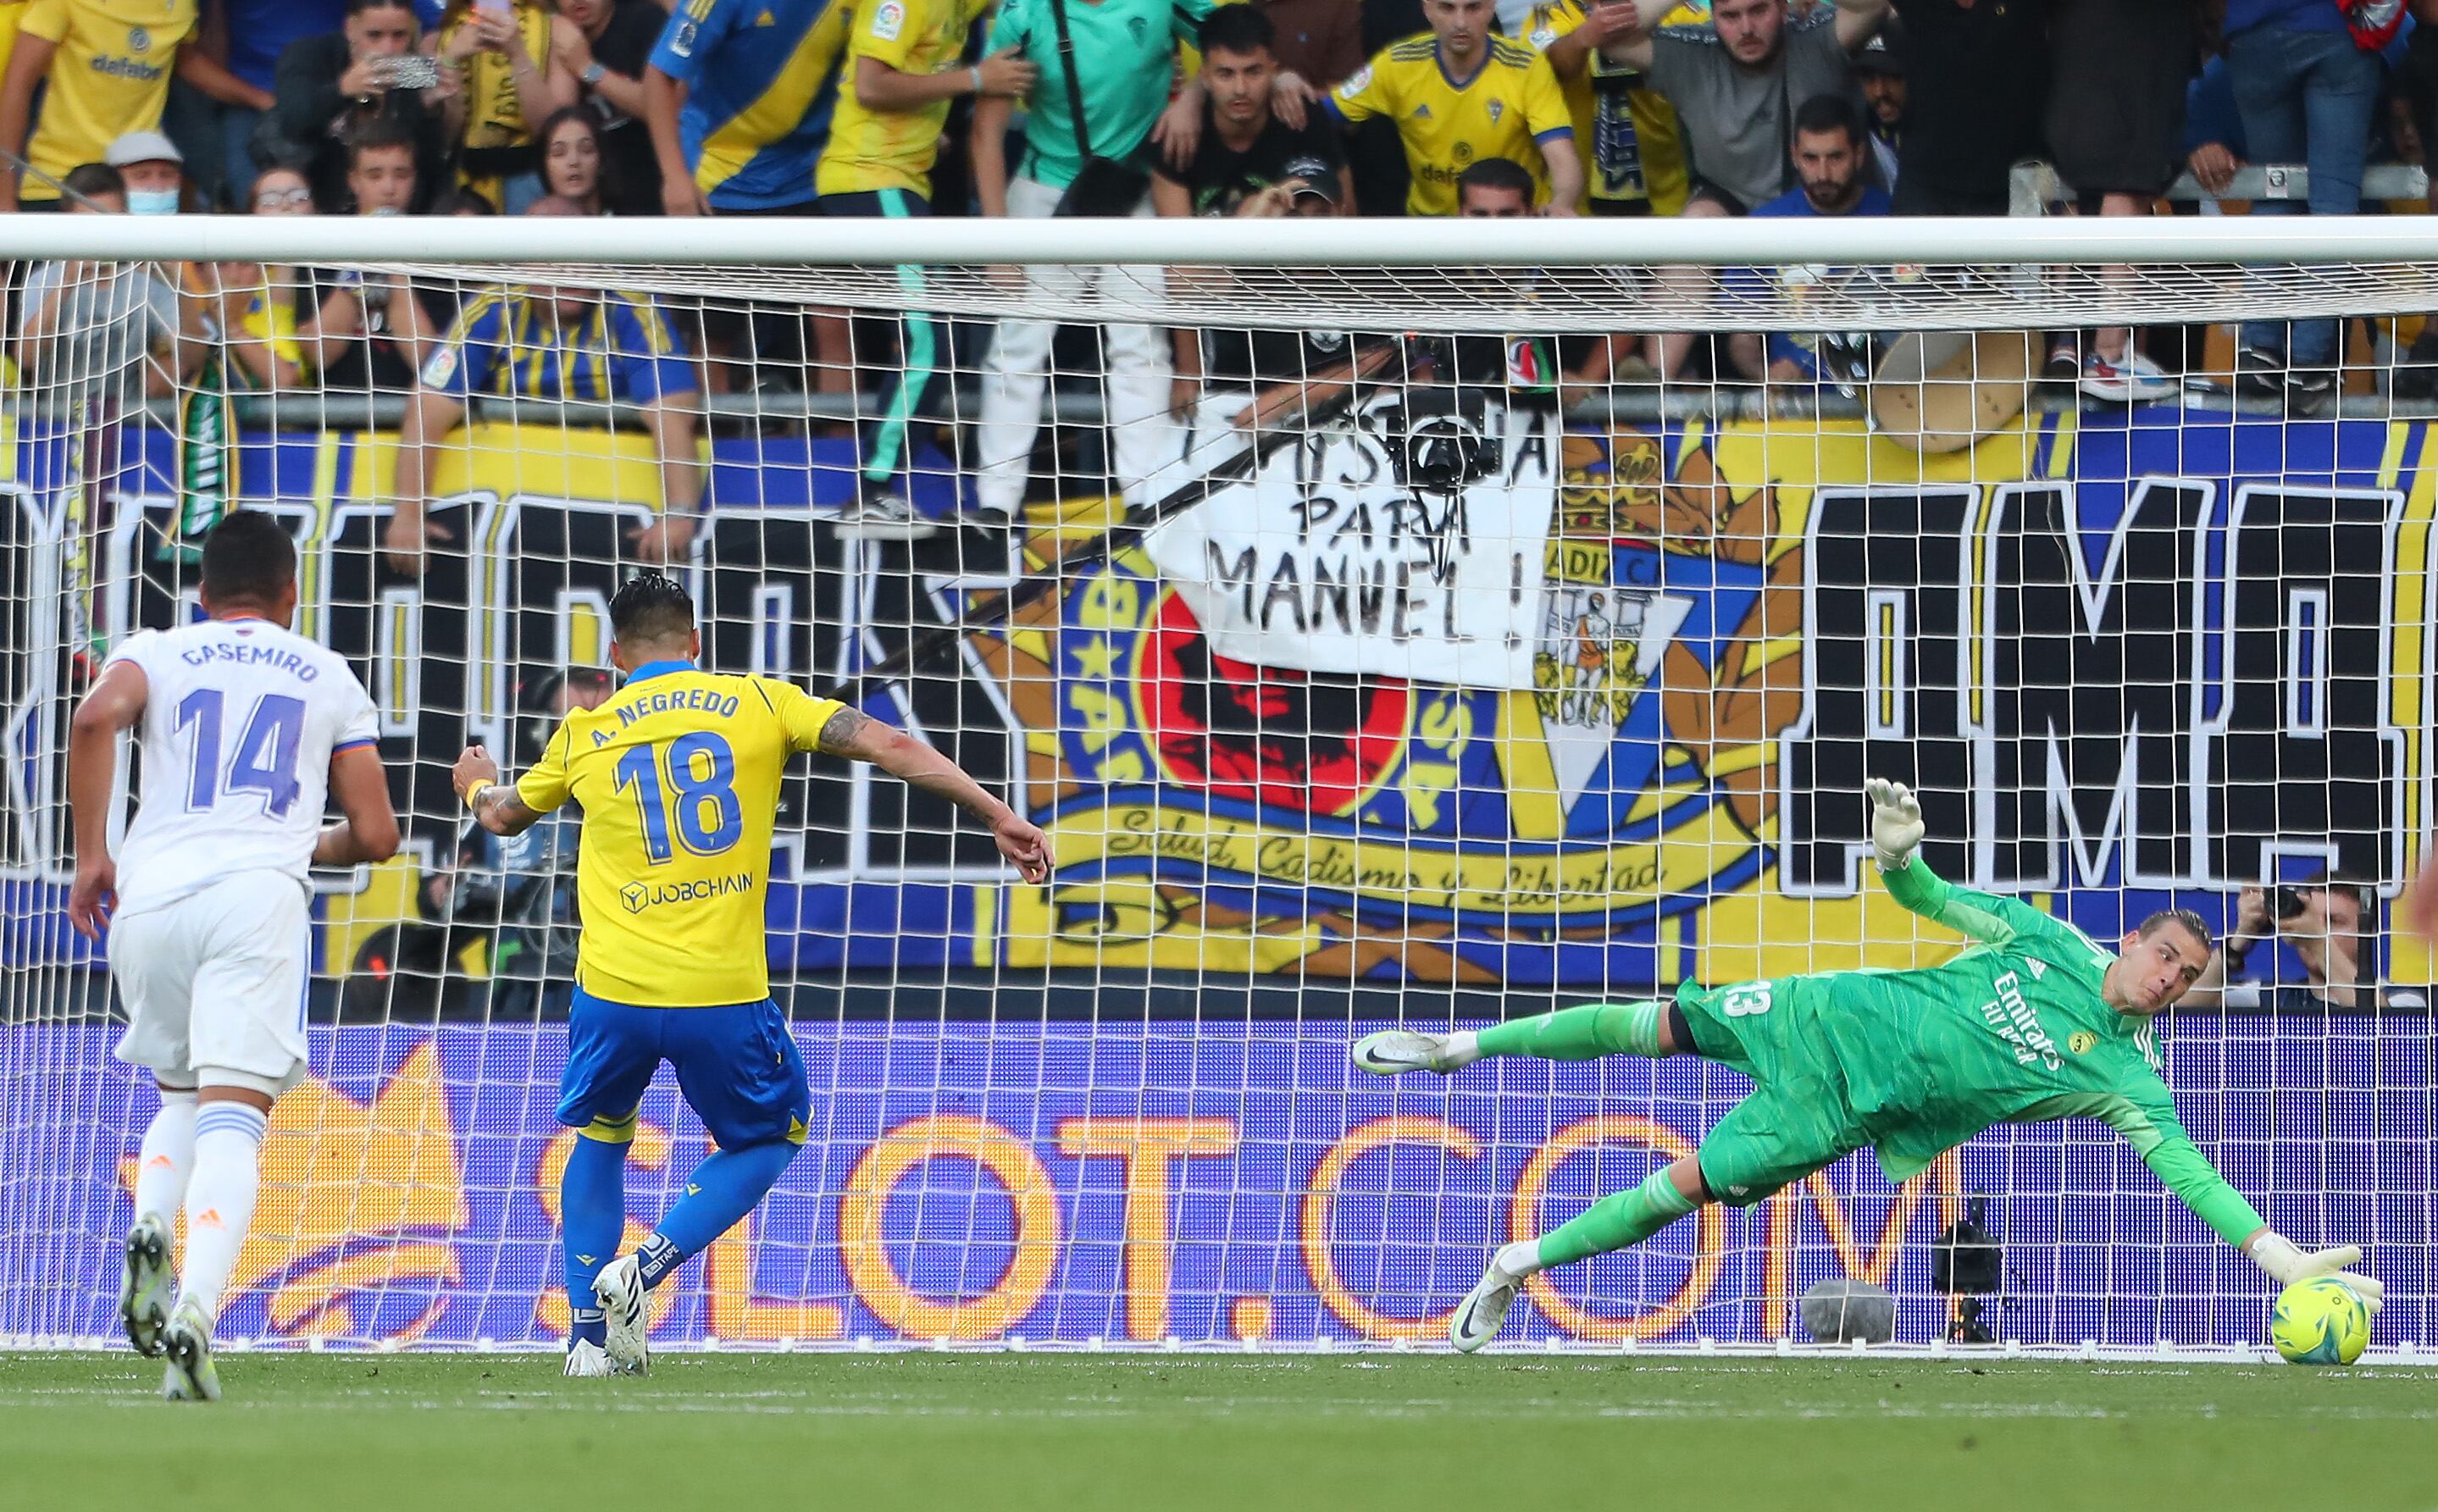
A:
[1484,1309]
[146,1283]
[584,1358]
[620,1290]
[1394,1052]
[190,1375]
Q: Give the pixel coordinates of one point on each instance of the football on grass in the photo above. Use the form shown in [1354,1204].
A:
[2320,1322]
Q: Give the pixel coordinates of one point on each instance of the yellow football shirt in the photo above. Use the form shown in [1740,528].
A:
[677,776]
[873,150]
[111,76]
[1656,134]
[1507,109]
[269,317]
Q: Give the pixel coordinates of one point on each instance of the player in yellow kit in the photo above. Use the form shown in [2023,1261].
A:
[101,71]
[1459,95]
[677,776]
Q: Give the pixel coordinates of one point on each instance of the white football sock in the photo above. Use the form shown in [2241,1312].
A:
[169,1155]
[220,1198]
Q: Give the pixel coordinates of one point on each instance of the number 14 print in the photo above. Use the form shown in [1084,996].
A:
[264,760]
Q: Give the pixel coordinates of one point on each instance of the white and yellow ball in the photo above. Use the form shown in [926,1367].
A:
[2320,1322]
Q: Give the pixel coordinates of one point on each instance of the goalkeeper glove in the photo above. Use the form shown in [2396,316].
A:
[1896,822]
[2287,1264]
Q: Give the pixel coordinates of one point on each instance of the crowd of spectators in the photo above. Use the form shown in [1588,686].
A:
[895,108]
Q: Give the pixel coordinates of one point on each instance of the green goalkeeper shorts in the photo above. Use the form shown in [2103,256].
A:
[1796,1121]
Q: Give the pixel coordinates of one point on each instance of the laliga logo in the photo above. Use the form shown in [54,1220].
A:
[355,1197]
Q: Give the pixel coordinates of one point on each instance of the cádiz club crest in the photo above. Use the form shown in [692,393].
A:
[1273,800]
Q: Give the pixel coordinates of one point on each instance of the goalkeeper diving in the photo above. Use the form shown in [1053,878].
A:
[2041,1021]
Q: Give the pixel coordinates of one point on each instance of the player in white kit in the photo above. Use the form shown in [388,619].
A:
[246,731]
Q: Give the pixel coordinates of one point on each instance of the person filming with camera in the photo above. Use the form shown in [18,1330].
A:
[367,76]
[2330,923]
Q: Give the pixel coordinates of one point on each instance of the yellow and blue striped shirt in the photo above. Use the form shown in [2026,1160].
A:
[508,340]
[761,80]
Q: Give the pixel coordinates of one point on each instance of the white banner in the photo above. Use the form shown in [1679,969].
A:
[1401,544]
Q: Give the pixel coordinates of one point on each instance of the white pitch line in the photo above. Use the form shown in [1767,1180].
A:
[911,1407]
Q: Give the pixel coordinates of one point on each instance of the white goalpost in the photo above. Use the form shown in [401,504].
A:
[1381,640]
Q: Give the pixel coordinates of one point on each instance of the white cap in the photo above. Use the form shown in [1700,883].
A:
[142,147]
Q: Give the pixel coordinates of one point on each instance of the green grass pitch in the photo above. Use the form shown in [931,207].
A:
[463,1433]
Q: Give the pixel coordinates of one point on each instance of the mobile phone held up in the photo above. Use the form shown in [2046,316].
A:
[406,71]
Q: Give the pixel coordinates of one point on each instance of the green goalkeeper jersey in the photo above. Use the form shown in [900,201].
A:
[2013,1031]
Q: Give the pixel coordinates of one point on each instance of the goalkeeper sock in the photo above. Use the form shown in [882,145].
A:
[169,1155]
[593,1217]
[1583,1033]
[722,1189]
[219,1197]
[1615,1222]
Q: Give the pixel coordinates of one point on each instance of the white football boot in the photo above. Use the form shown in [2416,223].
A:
[1479,1316]
[619,1289]
[1394,1052]
[190,1375]
[584,1358]
[146,1283]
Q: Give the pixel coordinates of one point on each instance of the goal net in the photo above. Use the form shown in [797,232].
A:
[1383,640]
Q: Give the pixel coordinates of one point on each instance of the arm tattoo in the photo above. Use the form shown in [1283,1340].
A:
[515,811]
[838,735]
[502,802]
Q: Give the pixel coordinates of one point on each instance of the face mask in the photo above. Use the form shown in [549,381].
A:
[151,201]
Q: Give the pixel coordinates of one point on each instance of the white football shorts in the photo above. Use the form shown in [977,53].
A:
[214,984]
